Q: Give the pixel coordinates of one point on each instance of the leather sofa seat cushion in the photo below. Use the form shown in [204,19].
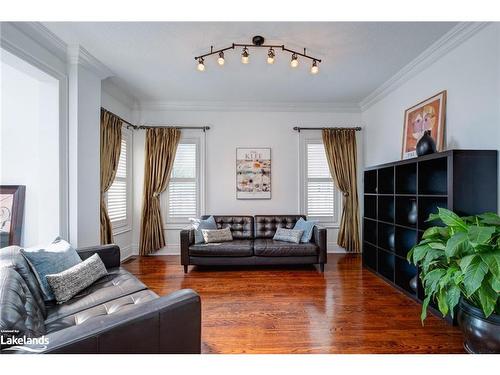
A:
[18,309]
[117,283]
[116,306]
[11,257]
[266,225]
[235,248]
[266,247]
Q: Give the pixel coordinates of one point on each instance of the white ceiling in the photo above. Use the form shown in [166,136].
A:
[154,61]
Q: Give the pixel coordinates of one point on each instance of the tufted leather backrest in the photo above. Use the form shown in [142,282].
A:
[19,312]
[11,257]
[242,227]
[266,225]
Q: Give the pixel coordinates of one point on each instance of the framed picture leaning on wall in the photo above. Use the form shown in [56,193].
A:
[430,115]
[11,214]
[253,173]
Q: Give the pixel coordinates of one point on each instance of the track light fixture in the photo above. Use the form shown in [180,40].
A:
[314,67]
[258,42]
[220,60]
[244,56]
[270,56]
[201,64]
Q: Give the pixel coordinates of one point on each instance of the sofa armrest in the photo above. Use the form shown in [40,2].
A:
[319,238]
[166,325]
[109,254]
[187,239]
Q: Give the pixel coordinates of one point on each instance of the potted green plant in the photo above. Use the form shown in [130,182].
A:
[459,266]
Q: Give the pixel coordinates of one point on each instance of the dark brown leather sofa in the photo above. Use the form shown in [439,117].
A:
[116,314]
[253,244]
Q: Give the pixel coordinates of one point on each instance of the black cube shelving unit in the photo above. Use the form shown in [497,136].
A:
[464,181]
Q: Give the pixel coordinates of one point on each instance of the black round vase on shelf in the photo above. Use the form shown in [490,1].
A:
[412,214]
[414,283]
[391,241]
[426,144]
[481,334]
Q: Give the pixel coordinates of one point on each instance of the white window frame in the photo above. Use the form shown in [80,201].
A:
[198,138]
[122,226]
[315,138]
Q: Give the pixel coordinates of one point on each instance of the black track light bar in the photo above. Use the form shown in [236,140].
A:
[282,47]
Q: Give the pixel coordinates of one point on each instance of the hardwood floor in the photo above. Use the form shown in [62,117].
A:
[299,310]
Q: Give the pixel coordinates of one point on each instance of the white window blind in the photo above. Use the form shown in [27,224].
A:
[320,190]
[182,193]
[117,195]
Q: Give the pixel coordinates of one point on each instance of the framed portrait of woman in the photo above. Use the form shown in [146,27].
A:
[429,114]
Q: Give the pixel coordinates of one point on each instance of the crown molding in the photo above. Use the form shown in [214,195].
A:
[456,36]
[76,54]
[225,106]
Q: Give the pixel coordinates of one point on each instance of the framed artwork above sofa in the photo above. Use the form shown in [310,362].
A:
[253,173]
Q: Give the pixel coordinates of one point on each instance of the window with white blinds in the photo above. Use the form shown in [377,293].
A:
[319,187]
[183,188]
[118,194]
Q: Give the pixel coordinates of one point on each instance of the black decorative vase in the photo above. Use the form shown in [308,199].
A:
[391,241]
[413,283]
[481,334]
[426,144]
[412,215]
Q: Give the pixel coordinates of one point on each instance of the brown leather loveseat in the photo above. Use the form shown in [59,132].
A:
[253,244]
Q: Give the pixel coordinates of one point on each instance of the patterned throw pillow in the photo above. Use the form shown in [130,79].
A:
[199,224]
[217,235]
[307,226]
[288,235]
[54,258]
[68,283]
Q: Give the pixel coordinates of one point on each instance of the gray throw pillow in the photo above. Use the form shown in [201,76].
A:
[288,235]
[217,235]
[68,283]
[307,227]
[199,224]
[54,258]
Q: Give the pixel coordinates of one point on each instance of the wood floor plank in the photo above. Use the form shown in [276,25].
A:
[296,309]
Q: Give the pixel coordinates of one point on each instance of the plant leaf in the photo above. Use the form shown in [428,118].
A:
[442,302]
[433,217]
[455,244]
[479,235]
[419,252]
[490,218]
[452,298]
[487,298]
[474,275]
[425,304]
[466,260]
[437,245]
[430,257]
[432,279]
[492,259]
[451,219]
[436,232]
[495,284]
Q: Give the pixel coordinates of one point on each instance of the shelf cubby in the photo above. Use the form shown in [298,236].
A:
[465,181]
[385,264]
[370,231]
[371,182]
[386,180]
[427,206]
[406,211]
[403,274]
[405,240]
[371,206]
[386,208]
[406,178]
[386,237]
[433,176]
[370,256]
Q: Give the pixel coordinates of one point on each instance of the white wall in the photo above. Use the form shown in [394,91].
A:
[471,75]
[30,145]
[239,129]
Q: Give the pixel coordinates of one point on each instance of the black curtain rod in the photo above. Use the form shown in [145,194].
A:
[140,127]
[357,128]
